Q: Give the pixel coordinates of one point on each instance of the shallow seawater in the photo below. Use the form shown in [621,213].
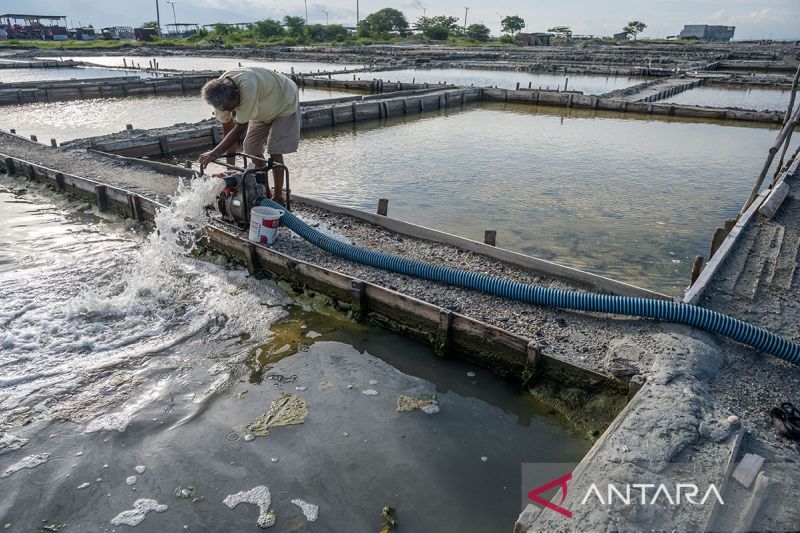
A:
[587,83]
[16,75]
[76,119]
[744,97]
[619,195]
[213,63]
[134,369]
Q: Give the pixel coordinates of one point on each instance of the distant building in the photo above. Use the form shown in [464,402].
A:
[42,27]
[704,32]
[533,39]
[622,36]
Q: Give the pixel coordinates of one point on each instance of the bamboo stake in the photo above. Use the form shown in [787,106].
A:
[785,119]
[779,140]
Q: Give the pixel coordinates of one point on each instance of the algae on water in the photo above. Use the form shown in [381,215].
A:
[286,410]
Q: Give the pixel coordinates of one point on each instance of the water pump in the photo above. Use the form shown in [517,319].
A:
[244,189]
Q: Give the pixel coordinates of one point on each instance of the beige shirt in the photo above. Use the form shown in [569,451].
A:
[264,95]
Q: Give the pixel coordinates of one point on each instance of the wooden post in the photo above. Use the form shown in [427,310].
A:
[358,298]
[566,82]
[53,143]
[716,241]
[11,166]
[442,341]
[12,130]
[101,193]
[251,257]
[60,181]
[383,206]
[490,237]
[532,366]
[163,144]
[128,126]
[697,267]
[517,89]
[33,138]
[135,207]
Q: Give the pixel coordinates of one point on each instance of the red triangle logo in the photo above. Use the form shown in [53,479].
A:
[562,482]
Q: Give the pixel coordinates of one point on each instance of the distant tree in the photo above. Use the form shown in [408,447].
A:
[634,27]
[223,29]
[382,23]
[438,28]
[512,24]
[268,28]
[324,32]
[479,32]
[152,24]
[562,31]
[295,26]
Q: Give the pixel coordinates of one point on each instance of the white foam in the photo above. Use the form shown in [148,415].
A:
[140,469]
[31,461]
[134,517]
[370,392]
[113,421]
[258,496]
[11,442]
[310,511]
[83,486]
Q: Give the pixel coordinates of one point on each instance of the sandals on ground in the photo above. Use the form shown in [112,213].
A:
[786,419]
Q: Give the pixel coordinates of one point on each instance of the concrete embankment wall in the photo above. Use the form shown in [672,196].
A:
[347,112]
[612,104]
[107,88]
[673,90]
[39,64]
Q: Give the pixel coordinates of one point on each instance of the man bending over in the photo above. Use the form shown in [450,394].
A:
[266,105]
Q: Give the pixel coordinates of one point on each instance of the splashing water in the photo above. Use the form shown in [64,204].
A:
[88,295]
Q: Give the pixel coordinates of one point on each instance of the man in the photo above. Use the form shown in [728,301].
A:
[263,103]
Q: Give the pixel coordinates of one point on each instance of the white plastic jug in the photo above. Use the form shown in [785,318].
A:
[264,223]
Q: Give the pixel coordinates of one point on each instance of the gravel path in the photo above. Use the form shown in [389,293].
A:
[79,162]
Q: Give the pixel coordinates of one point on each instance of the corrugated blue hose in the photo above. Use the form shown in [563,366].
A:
[691,315]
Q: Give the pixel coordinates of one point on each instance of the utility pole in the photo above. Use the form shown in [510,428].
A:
[424,10]
[466,10]
[326,17]
[158,20]
[174,18]
[358,19]
[306,4]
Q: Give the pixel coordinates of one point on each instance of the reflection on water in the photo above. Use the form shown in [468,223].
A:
[214,63]
[97,317]
[589,84]
[744,97]
[631,198]
[16,75]
[76,119]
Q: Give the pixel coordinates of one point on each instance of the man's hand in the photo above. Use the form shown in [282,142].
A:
[207,157]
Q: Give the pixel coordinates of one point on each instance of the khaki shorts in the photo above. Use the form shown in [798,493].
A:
[281,136]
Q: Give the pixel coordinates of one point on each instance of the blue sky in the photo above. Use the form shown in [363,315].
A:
[754,19]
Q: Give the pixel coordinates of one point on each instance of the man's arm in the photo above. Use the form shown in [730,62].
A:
[230,140]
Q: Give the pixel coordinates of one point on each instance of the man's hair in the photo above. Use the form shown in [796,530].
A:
[219,92]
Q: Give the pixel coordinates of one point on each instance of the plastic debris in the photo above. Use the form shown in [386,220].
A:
[324,385]
[130,480]
[286,410]
[83,486]
[389,520]
[370,392]
[140,469]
